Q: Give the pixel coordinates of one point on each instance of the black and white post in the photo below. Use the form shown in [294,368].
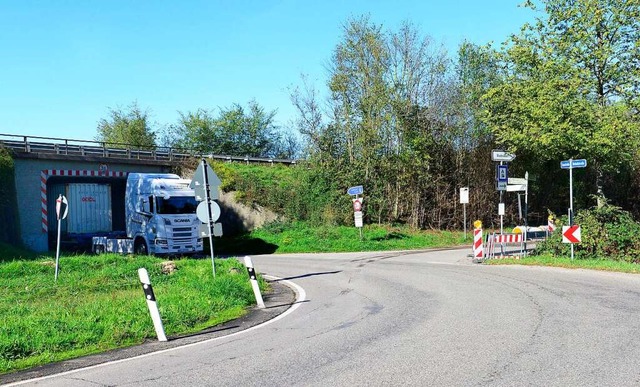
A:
[151,303]
[254,281]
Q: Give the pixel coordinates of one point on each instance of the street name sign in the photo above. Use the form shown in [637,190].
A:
[516,187]
[517,180]
[500,155]
[578,163]
[357,190]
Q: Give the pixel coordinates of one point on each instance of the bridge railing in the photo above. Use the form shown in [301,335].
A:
[71,147]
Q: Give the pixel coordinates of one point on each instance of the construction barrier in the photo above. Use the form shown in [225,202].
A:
[502,240]
[478,252]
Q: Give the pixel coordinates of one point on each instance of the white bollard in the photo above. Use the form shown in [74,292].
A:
[151,303]
[254,281]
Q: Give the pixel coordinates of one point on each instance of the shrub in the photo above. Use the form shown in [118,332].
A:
[608,232]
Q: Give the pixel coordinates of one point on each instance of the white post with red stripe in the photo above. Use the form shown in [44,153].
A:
[478,251]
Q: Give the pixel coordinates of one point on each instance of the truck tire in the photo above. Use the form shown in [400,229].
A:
[140,247]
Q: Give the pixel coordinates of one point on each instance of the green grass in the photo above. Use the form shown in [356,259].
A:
[566,262]
[298,237]
[98,304]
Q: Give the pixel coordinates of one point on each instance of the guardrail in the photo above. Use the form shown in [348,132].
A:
[88,148]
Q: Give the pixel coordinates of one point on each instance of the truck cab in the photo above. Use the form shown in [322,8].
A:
[160,211]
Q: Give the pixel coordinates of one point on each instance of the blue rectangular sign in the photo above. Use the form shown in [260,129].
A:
[357,190]
[578,163]
[503,174]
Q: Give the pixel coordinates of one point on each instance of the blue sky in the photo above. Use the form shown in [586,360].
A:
[63,64]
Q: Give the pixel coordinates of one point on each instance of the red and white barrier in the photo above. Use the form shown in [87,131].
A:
[478,251]
[508,238]
[551,226]
[503,239]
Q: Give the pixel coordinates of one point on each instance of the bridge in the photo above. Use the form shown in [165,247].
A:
[55,148]
[46,166]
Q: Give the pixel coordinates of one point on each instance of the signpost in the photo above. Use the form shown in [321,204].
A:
[357,206]
[62,210]
[570,164]
[464,200]
[502,181]
[205,183]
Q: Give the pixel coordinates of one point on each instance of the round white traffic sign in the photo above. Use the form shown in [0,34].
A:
[202,211]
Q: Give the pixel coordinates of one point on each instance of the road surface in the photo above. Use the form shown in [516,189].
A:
[413,318]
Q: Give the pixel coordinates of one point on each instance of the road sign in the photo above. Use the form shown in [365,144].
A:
[464,195]
[579,163]
[499,155]
[571,234]
[517,180]
[357,190]
[357,205]
[516,187]
[204,176]
[503,174]
[357,217]
[62,206]
[205,231]
[202,211]
[502,177]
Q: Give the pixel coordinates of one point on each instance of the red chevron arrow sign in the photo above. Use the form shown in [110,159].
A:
[571,234]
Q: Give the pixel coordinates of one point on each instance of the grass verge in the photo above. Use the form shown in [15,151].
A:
[97,304]
[566,262]
[301,237]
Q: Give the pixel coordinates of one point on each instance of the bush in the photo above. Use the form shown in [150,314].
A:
[8,203]
[608,232]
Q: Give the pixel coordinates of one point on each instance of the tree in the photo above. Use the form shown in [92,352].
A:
[571,84]
[235,131]
[127,128]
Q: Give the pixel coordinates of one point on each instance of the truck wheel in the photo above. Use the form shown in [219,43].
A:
[141,248]
[99,249]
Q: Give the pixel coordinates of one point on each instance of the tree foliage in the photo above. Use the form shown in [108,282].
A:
[570,86]
[126,128]
[236,131]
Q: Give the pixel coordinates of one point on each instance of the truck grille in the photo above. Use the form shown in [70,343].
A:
[182,229]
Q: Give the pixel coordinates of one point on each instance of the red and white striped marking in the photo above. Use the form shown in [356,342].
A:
[508,238]
[46,173]
[478,252]
[551,226]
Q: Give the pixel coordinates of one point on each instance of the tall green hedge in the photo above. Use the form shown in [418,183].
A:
[9,227]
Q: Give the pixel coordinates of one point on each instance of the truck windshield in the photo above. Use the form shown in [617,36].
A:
[177,205]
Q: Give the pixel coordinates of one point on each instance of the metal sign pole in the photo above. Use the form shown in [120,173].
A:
[526,210]
[501,222]
[58,249]
[464,211]
[207,199]
[571,198]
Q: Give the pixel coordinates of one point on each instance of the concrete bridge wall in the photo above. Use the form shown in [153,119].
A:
[35,174]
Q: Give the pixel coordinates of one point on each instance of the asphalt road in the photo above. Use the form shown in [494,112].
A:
[428,318]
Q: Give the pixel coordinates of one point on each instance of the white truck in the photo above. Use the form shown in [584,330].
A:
[160,216]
